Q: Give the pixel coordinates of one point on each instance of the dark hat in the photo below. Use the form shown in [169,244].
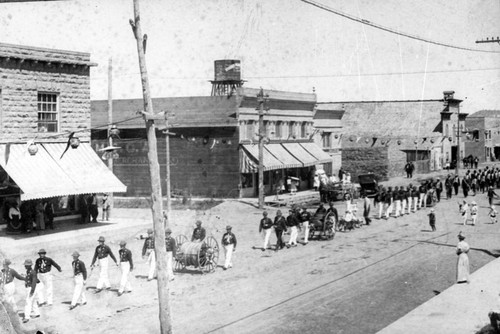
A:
[28,262]
[6,262]
[461,236]
[105,195]
[278,212]
[75,253]
[150,230]
[228,227]
[264,213]
[42,251]
[123,243]
[168,230]
[198,222]
[101,238]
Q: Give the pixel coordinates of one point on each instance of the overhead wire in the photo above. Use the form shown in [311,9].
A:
[391,30]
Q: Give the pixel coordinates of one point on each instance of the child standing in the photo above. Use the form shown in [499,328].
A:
[473,212]
[432,220]
[493,215]
[464,208]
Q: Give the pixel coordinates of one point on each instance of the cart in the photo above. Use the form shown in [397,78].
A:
[322,227]
[202,255]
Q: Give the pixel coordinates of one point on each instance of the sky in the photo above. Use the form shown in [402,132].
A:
[282,44]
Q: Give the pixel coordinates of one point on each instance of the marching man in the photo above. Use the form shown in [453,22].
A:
[199,232]
[305,217]
[43,265]
[171,249]
[265,225]
[7,280]
[126,266]
[80,279]
[229,243]
[31,284]
[101,253]
[149,250]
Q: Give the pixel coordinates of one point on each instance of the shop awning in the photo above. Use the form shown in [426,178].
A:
[288,161]
[300,153]
[249,161]
[45,174]
[316,151]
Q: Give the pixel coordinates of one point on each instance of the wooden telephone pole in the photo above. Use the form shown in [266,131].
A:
[261,99]
[110,122]
[154,171]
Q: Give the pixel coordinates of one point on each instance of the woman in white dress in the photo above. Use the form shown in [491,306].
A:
[463,260]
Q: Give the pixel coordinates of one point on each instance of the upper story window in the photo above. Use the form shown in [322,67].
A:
[279,129]
[326,139]
[291,130]
[250,130]
[47,112]
[303,130]
[447,130]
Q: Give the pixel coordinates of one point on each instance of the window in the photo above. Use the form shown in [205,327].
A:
[447,130]
[250,130]
[326,138]
[47,112]
[279,129]
[291,130]
[303,130]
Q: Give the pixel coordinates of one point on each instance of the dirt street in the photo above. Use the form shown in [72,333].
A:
[357,283]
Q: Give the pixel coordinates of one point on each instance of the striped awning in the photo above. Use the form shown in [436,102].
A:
[316,151]
[250,159]
[300,153]
[46,174]
[288,160]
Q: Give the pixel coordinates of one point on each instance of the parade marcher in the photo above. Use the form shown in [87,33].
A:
[404,200]
[381,201]
[80,279]
[463,260]
[456,184]
[388,200]
[416,197]
[148,249]
[491,194]
[171,252]
[279,228]
[101,254]
[7,280]
[397,201]
[367,205]
[422,190]
[465,186]
[292,222]
[464,209]
[448,184]
[265,225]
[229,243]
[473,212]
[94,208]
[106,207]
[439,189]
[432,220]
[199,232]
[305,218]
[43,266]
[31,284]
[127,266]
[493,214]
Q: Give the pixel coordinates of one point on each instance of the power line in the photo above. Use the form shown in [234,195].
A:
[390,30]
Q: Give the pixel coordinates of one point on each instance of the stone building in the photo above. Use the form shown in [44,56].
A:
[214,152]
[328,129]
[382,136]
[44,97]
[482,135]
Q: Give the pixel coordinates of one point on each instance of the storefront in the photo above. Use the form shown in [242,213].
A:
[52,174]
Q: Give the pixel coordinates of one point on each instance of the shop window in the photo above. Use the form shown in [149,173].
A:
[47,112]
[326,139]
[247,180]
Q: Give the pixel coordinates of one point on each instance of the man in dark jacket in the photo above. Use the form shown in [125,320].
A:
[279,228]
[31,284]
[80,279]
[292,222]
[43,266]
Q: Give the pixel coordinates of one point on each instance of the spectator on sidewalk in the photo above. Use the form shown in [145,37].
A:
[49,214]
[106,207]
[491,194]
[456,184]
[432,220]
[464,210]
[448,184]
[439,189]
[473,212]
[493,215]
[80,279]
[367,205]
[463,259]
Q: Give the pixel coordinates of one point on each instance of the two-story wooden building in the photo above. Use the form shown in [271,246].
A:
[482,135]
[45,97]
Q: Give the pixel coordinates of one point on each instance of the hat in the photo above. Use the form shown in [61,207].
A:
[123,243]
[473,203]
[105,195]
[264,213]
[461,236]
[278,212]
[168,230]
[42,251]
[101,238]
[6,262]
[150,230]
[228,227]
[28,262]
[198,222]
[432,210]
[75,253]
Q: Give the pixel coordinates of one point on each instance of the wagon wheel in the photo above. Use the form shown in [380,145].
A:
[330,232]
[180,262]
[208,261]
[330,227]
[312,230]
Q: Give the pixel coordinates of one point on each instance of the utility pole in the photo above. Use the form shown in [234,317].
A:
[154,171]
[458,140]
[261,99]
[167,168]
[110,122]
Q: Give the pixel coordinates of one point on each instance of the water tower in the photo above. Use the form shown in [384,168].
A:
[227,77]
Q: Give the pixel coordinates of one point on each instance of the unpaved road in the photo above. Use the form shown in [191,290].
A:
[359,282]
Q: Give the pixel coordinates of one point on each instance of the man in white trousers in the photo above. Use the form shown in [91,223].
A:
[126,265]
[148,249]
[101,254]
[43,266]
[31,283]
[292,222]
[229,243]
[7,276]
[265,225]
[171,252]
[80,279]
[305,217]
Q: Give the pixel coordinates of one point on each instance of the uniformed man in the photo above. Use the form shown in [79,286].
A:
[199,232]
[279,228]
[229,243]
[305,217]
[7,280]
[292,223]
[171,252]
[265,225]
[43,265]
[31,284]
[101,254]
[126,266]
[80,279]
[149,250]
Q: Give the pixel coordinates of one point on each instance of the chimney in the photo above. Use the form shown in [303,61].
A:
[448,94]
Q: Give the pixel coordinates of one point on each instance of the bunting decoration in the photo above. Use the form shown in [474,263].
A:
[374,139]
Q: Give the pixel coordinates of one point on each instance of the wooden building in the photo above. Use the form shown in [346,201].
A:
[482,135]
[214,152]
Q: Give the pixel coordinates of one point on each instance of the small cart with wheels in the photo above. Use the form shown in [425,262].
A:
[202,255]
